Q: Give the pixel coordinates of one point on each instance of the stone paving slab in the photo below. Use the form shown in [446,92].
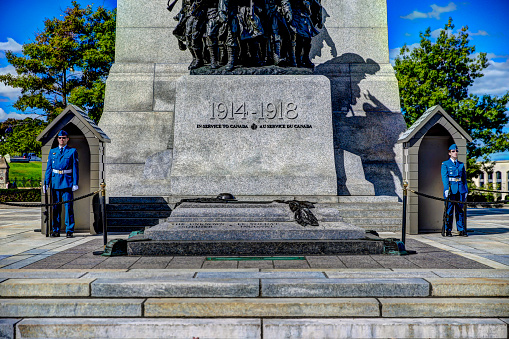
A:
[261,275]
[226,270]
[27,261]
[382,274]
[439,259]
[444,307]
[139,328]
[469,287]
[45,288]
[146,273]
[350,287]
[277,307]
[202,288]
[7,328]
[384,328]
[71,308]
[486,273]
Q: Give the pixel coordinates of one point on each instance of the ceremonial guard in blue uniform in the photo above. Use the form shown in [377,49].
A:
[454,178]
[62,174]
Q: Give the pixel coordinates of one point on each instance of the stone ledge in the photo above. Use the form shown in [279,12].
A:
[350,287]
[469,287]
[45,288]
[260,275]
[7,328]
[279,307]
[175,288]
[384,328]
[444,307]
[139,328]
[71,308]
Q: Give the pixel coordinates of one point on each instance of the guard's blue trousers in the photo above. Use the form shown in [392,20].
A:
[58,196]
[458,211]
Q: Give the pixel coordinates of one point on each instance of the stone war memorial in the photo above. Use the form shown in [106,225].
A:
[269,127]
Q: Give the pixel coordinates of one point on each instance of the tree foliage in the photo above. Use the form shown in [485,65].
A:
[18,136]
[67,63]
[441,72]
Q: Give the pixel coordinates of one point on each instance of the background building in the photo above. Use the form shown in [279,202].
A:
[499,177]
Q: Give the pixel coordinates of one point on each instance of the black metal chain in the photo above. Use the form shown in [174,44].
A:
[47,205]
[460,202]
[478,189]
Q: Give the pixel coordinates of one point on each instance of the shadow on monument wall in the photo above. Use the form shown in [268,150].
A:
[323,39]
[362,124]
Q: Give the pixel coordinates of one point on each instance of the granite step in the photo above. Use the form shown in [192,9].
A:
[258,307]
[370,214]
[126,214]
[255,328]
[248,307]
[365,199]
[198,288]
[375,221]
[146,214]
[348,287]
[136,200]
[69,308]
[385,328]
[138,207]
[139,328]
[445,307]
[392,206]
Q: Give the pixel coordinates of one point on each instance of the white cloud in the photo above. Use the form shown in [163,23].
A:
[4,116]
[393,53]
[495,80]
[437,10]
[415,15]
[435,13]
[7,91]
[10,45]
[479,32]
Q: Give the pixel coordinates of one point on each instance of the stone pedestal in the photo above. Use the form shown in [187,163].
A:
[253,135]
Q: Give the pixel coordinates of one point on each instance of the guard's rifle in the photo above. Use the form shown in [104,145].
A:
[446,216]
[170,6]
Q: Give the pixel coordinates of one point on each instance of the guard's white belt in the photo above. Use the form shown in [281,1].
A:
[62,171]
[455,179]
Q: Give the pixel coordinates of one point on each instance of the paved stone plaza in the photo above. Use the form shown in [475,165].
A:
[56,287]
[486,247]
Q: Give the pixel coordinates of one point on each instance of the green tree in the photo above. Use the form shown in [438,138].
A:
[441,72]
[18,136]
[67,63]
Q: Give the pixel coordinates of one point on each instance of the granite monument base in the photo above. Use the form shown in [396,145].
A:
[253,228]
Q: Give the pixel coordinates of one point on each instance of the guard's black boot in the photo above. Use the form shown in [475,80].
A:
[232,55]
[213,57]
[463,234]
[448,234]
[55,234]
[69,235]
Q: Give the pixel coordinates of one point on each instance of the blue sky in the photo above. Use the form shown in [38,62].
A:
[486,19]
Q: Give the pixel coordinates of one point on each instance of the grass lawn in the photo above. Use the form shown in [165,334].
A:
[28,170]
